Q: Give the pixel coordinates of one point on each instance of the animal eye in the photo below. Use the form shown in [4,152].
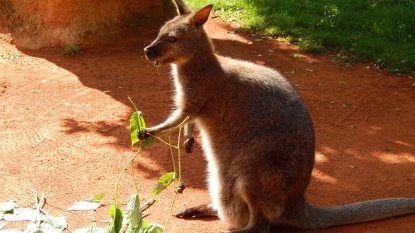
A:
[172,39]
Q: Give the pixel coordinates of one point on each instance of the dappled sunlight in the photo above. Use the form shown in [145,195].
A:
[321,176]
[320,158]
[403,143]
[351,151]
[374,130]
[390,158]
[328,151]
[260,62]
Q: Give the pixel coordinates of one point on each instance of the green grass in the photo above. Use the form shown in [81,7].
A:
[71,50]
[381,31]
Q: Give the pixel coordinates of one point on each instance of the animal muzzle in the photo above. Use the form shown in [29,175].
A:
[151,53]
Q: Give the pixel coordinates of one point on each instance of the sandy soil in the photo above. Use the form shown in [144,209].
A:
[64,130]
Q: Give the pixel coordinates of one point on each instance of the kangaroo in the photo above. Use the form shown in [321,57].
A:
[257,136]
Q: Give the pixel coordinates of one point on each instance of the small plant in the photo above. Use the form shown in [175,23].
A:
[71,50]
[130,221]
[345,58]
[10,55]
[133,215]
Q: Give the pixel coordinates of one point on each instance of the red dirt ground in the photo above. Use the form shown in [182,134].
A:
[65,130]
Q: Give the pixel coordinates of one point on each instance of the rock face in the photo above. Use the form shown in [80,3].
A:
[35,24]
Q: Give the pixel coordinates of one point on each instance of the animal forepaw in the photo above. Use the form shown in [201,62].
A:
[143,135]
[188,145]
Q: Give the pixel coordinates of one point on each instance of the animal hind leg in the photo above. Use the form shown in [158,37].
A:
[257,224]
[197,212]
[260,206]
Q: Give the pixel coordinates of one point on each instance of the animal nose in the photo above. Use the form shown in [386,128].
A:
[148,51]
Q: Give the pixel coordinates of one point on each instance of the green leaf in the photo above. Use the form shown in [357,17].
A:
[134,213]
[84,205]
[33,228]
[134,129]
[116,220]
[151,228]
[147,143]
[163,182]
[49,224]
[21,214]
[143,227]
[54,223]
[96,198]
[137,125]
[91,203]
[7,206]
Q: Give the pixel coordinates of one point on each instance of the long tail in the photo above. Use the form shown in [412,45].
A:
[366,211]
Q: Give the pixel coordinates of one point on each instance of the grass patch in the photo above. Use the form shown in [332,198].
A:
[381,31]
[71,50]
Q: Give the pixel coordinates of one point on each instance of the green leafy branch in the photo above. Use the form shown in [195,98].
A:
[136,223]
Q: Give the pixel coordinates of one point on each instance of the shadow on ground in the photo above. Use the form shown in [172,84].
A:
[363,118]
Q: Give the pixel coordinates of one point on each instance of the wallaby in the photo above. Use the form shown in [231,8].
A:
[257,135]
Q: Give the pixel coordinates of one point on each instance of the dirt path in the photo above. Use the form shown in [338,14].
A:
[64,130]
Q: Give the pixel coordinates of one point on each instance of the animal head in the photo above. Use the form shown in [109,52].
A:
[178,38]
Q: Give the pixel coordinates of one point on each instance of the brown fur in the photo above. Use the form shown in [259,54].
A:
[256,134]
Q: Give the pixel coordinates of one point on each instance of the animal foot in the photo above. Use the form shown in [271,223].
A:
[197,212]
[188,145]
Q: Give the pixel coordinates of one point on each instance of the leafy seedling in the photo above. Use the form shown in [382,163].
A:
[87,204]
[133,216]
[71,50]
[10,55]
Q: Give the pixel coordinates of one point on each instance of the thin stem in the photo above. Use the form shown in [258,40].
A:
[122,173]
[170,210]
[178,156]
[133,104]
[135,181]
[172,156]
[175,193]
[160,139]
[180,174]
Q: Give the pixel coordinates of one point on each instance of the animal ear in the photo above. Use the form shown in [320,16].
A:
[202,15]
[182,8]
